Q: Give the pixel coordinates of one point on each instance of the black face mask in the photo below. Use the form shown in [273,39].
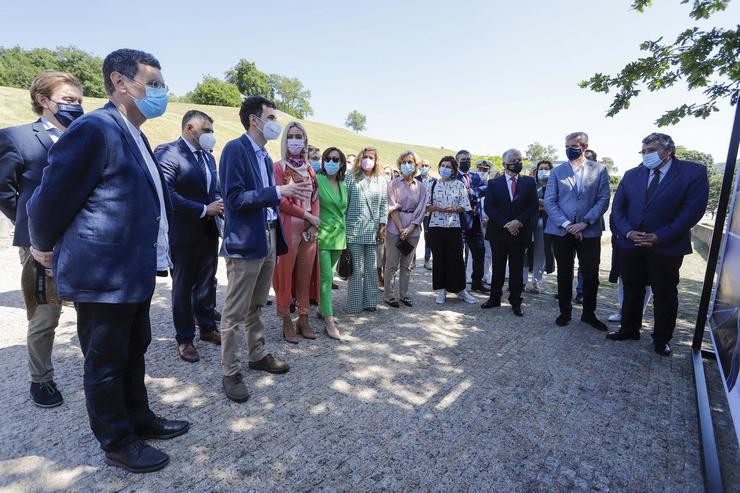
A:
[515,167]
[68,112]
[465,165]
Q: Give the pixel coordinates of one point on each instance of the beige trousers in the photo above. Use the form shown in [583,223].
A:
[395,259]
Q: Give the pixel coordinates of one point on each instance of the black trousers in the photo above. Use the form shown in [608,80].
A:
[503,248]
[114,338]
[589,255]
[193,289]
[474,241]
[640,267]
[448,266]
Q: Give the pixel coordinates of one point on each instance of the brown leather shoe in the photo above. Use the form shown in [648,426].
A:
[188,352]
[213,336]
[269,364]
[289,333]
[305,328]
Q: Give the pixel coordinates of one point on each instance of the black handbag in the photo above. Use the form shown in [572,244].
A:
[344,267]
[404,246]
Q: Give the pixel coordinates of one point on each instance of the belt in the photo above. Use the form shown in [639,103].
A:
[271,224]
[408,212]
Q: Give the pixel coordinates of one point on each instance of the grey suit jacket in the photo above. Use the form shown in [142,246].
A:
[565,202]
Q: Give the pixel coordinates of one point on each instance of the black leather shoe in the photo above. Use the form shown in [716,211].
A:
[517,311]
[662,348]
[480,288]
[392,303]
[270,364]
[407,301]
[137,457]
[594,322]
[162,429]
[618,335]
[562,320]
[491,304]
[46,394]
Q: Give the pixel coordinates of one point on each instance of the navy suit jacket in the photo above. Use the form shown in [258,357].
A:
[187,186]
[23,156]
[676,206]
[245,200]
[97,207]
[500,208]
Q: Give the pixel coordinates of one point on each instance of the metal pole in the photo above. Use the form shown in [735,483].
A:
[712,473]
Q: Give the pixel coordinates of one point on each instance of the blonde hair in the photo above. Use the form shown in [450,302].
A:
[357,170]
[46,83]
[284,141]
[408,153]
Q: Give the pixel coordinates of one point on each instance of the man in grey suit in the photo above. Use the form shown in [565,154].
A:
[576,199]
[56,97]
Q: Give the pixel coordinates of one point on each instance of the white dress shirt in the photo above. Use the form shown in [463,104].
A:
[208,170]
[261,155]
[578,176]
[51,130]
[509,179]
[663,171]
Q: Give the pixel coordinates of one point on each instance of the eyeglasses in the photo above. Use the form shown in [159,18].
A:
[155,84]
[332,160]
[408,162]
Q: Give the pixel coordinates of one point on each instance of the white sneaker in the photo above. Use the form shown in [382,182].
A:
[467,297]
[441,297]
[615,317]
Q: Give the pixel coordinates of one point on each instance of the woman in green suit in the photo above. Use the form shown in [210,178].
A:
[333,230]
[367,214]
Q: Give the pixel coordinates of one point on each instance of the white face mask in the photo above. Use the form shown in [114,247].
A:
[207,141]
[295,146]
[271,129]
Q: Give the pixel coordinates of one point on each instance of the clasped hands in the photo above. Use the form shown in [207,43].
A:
[642,239]
[405,232]
[513,227]
[576,229]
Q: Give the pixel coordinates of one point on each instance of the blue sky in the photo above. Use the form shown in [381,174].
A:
[481,75]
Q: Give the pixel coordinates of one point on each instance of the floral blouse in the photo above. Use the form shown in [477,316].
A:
[445,194]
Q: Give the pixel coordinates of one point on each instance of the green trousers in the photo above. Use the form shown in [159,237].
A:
[328,260]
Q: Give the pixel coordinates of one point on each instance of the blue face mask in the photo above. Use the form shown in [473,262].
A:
[424,170]
[331,167]
[651,160]
[154,104]
[407,169]
[68,112]
[543,174]
[573,154]
[316,165]
[445,172]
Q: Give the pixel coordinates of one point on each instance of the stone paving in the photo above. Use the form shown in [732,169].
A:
[427,398]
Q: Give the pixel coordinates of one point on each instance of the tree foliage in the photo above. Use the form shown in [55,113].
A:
[250,80]
[356,121]
[214,91]
[18,67]
[715,178]
[610,166]
[536,152]
[290,96]
[702,59]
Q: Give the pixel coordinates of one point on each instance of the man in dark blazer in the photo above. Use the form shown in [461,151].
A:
[510,204]
[576,199]
[470,221]
[655,207]
[103,208]
[190,172]
[252,240]
[56,97]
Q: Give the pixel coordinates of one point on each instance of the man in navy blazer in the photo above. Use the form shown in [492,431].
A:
[103,208]
[576,199]
[511,204]
[252,240]
[470,221]
[655,207]
[56,97]
[189,170]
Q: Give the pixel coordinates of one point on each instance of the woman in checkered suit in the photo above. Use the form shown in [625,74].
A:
[367,214]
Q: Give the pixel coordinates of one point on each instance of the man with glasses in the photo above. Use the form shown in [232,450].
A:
[576,199]
[103,208]
[470,221]
[656,205]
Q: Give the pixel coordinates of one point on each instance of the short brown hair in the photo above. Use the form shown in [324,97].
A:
[342,162]
[46,83]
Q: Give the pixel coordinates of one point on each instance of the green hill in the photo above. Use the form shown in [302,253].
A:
[15,109]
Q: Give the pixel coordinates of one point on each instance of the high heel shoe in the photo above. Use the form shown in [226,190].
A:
[289,333]
[305,328]
[331,330]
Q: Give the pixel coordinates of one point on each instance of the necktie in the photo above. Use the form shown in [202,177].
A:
[513,187]
[653,186]
[202,164]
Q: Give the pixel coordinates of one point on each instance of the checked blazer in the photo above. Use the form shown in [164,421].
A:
[367,208]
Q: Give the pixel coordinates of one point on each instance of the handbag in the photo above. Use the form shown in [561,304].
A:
[404,246]
[344,267]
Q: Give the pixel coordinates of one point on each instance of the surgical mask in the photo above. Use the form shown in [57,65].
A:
[331,167]
[651,160]
[154,103]
[295,146]
[543,174]
[465,165]
[407,169]
[573,154]
[515,167]
[445,172]
[207,141]
[68,112]
[270,129]
[316,165]
[367,163]
[424,170]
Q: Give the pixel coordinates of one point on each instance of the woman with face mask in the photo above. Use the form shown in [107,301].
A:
[406,209]
[447,198]
[367,214]
[333,231]
[300,222]
[540,257]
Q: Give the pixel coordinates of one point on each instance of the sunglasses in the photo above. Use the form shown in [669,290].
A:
[332,159]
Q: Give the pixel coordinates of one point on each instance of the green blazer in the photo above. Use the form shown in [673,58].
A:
[332,208]
[367,208]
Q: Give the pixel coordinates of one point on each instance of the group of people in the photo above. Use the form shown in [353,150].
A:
[99,215]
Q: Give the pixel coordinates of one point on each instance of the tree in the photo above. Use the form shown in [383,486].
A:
[86,67]
[356,121]
[290,96]
[214,91]
[715,178]
[537,152]
[249,80]
[610,166]
[703,59]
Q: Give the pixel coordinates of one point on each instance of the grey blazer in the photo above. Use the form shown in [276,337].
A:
[563,202]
